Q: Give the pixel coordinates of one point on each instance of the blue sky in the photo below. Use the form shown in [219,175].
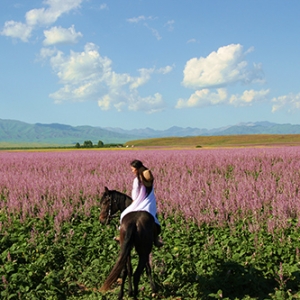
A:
[159,63]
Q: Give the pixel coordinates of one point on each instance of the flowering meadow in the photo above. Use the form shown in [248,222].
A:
[230,220]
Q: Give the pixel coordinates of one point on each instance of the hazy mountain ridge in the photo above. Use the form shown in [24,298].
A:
[18,132]
[263,127]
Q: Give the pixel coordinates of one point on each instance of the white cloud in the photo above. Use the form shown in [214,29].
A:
[47,16]
[150,104]
[219,69]
[45,53]
[202,98]
[59,35]
[206,97]
[165,70]
[132,101]
[139,19]
[88,76]
[145,75]
[39,17]
[290,102]
[81,67]
[17,30]
[226,66]
[248,97]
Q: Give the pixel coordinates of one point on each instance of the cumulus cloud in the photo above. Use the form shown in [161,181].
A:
[59,35]
[202,98]
[17,30]
[45,53]
[165,70]
[145,75]
[88,76]
[206,97]
[224,67]
[47,16]
[248,97]
[290,102]
[39,17]
[210,76]
[132,101]
[80,72]
[150,104]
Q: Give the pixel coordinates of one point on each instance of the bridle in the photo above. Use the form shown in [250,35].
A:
[120,200]
[109,214]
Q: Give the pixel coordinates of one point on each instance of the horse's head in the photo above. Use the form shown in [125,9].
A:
[108,206]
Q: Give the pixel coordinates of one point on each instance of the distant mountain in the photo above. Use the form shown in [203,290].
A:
[151,133]
[60,134]
[242,128]
[20,132]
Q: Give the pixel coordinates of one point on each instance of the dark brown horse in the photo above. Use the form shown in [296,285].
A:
[136,230]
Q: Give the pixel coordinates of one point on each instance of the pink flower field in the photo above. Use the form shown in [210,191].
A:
[258,185]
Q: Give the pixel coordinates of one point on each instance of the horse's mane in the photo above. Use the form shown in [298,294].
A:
[121,194]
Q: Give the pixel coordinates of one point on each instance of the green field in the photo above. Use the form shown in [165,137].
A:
[256,140]
[220,141]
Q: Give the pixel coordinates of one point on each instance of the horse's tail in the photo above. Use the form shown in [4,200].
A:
[122,259]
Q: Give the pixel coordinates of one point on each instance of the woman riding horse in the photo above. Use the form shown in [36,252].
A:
[143,196]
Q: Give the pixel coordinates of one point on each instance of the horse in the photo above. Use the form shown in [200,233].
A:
[136,230]
[115,201]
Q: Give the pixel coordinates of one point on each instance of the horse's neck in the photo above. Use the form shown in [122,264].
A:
[124,201]
[127,201]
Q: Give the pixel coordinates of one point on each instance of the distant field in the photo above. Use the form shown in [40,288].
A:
[5,145]
[257,140]
[220,141]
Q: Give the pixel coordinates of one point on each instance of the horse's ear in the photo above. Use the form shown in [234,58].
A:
[106,189]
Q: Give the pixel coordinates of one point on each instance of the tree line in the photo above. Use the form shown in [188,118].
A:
[100,144]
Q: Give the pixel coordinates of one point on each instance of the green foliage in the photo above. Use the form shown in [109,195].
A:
[87,144]
[100,144]
[38,262]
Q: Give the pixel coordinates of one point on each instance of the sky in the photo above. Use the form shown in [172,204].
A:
[161,63]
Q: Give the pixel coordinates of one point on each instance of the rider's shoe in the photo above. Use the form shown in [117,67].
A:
[117,239]
[158,243]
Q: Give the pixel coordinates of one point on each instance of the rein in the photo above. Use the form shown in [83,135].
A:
[110,215]
[115,201]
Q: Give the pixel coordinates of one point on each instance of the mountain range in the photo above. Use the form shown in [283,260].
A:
[12,131]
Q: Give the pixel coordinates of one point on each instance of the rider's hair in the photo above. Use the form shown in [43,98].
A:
[136,164]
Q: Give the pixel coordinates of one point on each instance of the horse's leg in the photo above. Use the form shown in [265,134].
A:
[149,274]
[138,273]
[124,275]
[129,269]
[125,270]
